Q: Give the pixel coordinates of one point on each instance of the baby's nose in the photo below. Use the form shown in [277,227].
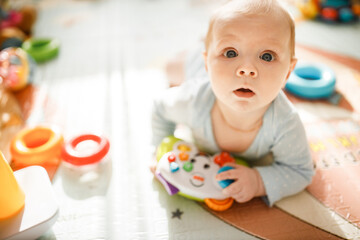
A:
[247,71]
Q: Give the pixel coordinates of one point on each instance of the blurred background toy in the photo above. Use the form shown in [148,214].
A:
[12,196]
[41,49]
[16,68]
[10,111]
[311,80]
[11,119]
[15,24]
[39,145]
[85,149]
[28,205]
[343,11]
[11,37]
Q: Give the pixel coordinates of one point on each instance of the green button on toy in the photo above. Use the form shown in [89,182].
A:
[188,166]
[41,49]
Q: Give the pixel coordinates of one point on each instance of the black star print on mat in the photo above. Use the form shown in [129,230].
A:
[177,214]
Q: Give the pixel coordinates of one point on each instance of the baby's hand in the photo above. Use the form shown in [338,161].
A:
[247,183]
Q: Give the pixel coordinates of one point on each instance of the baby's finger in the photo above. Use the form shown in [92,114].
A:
[241,197]
[229,174]
[232,164]
[233,189]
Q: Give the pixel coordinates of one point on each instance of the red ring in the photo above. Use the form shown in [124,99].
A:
[71,155]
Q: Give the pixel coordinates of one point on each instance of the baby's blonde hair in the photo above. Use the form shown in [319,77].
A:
[235,8]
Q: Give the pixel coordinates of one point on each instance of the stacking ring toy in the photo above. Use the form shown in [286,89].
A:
[312,81]
[37,146]
[42,49]
[76,157]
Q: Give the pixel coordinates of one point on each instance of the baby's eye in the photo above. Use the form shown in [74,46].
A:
[230,53]
[268,57]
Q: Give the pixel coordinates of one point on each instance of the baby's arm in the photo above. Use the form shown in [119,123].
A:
[161,123]
[291,171]
[247,183]
[167,111]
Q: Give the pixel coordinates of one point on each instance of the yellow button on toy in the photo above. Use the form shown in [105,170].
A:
[184,148]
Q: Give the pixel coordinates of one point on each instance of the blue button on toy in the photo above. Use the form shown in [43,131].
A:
[174,167]
[226,182]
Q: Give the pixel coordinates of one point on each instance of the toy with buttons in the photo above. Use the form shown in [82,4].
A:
[343,11]
[184,170]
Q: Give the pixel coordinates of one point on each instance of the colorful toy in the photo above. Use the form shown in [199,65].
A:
[16,24]
[311,80]
[308,8]
[16,68]
[73,153]
[10,111]
[40,145]
[29,15]
[11,194]
[11,18]
[356,7]
[11,37]
[184,170]
[330,10]
[42,49]
[28,207]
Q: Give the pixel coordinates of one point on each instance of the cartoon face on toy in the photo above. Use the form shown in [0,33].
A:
[200,164]
[190,172]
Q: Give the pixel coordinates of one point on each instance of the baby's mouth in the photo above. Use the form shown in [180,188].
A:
[244,92]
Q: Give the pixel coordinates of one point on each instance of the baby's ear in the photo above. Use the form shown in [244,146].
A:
[205,60]
[292,67]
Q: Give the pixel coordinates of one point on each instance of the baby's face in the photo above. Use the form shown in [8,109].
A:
[249,60]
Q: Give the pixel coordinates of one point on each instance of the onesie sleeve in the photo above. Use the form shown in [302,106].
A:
[169,109]
[292,169]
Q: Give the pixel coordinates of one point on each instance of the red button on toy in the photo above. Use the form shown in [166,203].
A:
[222,158]
[171,157]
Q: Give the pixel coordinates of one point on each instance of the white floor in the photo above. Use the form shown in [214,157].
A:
[111,65]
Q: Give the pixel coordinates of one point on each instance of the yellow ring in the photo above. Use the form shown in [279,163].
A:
[36,145]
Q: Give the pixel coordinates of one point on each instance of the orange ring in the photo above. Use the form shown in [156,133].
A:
[71,155]
[36,146]
[219,205]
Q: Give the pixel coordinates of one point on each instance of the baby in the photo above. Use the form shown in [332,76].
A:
[240,107]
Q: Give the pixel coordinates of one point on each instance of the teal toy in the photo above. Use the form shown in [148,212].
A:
[311,80]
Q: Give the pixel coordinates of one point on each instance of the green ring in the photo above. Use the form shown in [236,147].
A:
[42,49]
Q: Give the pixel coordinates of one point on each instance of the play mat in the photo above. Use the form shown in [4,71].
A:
[120,199]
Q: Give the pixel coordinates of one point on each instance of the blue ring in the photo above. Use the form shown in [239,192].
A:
[313,81]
